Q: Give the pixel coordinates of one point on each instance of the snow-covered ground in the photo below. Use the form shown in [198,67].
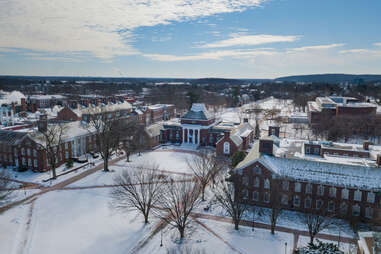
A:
[345,247]
[166,160]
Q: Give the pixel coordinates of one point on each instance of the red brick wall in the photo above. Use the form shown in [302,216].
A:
[66,114]
[220,146]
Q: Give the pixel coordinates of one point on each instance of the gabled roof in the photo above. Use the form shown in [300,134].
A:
[11,137]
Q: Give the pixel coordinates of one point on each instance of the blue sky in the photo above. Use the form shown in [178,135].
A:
[190,39]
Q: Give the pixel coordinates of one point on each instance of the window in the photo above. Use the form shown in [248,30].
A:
[66,155]
[344,194]
[332,192]
[245,194]
[34,152]
[320,190]
[67,145]
[211,139]
[309,188]
[22,151]
[343,208]
[35,163]
[15,153]
[319,204]
[245,180]
[356,210]
[267,184]
[331,206]
[226,148]
[258,170]
[296,201]
[285,185]
[316,150]
[298,187]
[256,196]
[307,202]
[284,199]
[23,161]
[29,162]
[266,197]
[357,195]
[369,212]
[28,151]
[308,150]
[371,197]
[257,182]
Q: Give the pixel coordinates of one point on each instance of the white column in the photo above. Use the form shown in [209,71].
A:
[12,117]
[194,136]
[187,135]
[1,115]
[183,135]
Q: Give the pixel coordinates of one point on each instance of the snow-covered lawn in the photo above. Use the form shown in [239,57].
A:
[165,159]
[80,222]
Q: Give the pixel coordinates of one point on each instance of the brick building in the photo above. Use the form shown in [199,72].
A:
[25,150]
[198,127]
[308,183]
[324,108]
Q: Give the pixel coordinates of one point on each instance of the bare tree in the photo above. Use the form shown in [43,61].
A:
[275,203]
[52,142]
[107,129]
[317,221]
[137,188]
[230,197]
[185,250]
[204,166]
[5,187]
[177,201]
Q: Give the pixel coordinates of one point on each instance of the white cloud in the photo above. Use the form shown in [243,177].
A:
[354,51]
[55,59]
[215,55]
[378,44]
[7,50]
[318,47]
[250,40]
[93,25]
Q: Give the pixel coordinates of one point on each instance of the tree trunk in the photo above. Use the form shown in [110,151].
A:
[54,172]
[311,239]
[272,228]
[236,224]
[105,164]
[181,231]
[146,218]
[203,194]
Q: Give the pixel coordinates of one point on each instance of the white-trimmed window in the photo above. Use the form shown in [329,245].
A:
[331,206]
[369,212]
[257,182]
[356,210]
[285,185]
[371,197]
[258,170]
[343,208]
[267,184]
[332,192]
[15,153]
[266,197]
[298,187]
[245,194]
[22,151]
[320,190]
[357,195]
[245,180]
[307,202]
[226,148]
[296,201]
[29,162]
[28,151]
[308,188]
[255,195]
[34,152]
[319,204]
[35,163]
[284,199]
[344,194]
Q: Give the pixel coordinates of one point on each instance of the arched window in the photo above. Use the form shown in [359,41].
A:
[257,182]
[226,148]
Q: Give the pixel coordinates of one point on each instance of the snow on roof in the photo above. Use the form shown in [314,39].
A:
[196,107]
[154,129]
[47,97]
[8,98]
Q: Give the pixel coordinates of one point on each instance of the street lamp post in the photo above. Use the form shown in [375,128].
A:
[161,238]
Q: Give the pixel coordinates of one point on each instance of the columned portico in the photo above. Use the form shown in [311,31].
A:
[191,135]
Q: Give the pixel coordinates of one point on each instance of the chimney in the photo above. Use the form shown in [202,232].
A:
[365,145]
[266,146]
[246,120]
[13,108]
[43,123]
[274,130]
[23,104]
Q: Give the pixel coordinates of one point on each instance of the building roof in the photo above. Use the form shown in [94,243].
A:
[11,137]
[316,169]
[198,112]
[154,129]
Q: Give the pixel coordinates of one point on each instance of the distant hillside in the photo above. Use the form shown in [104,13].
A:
[331,78]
